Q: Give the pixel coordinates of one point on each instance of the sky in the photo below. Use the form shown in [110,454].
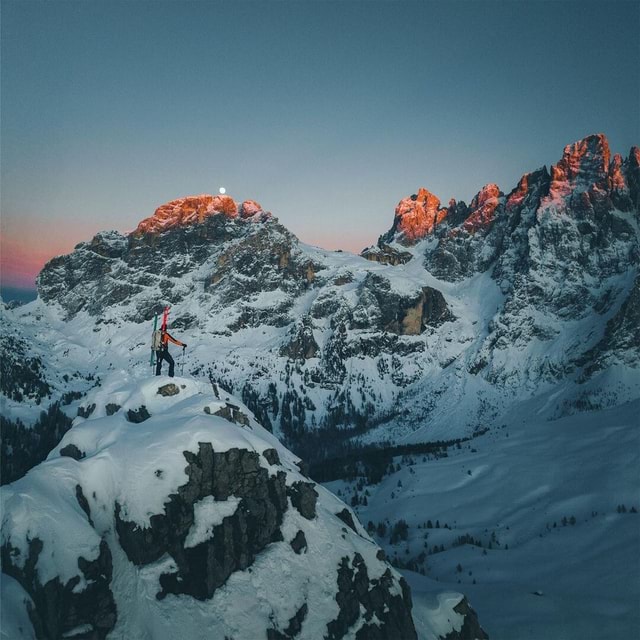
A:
[327,113]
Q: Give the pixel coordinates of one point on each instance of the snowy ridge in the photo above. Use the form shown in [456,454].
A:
[111,479]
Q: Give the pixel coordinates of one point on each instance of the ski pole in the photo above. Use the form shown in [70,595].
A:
[182,362]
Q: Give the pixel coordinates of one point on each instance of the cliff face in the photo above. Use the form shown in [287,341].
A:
[586,176]
[194,209]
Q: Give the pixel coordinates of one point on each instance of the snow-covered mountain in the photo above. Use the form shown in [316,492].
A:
[457,313]
[171,510]
[461,322]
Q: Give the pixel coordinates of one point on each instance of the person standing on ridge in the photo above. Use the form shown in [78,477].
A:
[163,352]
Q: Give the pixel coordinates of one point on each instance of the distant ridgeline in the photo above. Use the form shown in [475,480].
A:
[458,313]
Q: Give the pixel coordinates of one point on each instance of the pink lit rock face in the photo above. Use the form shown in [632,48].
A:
[482,208]
[583,163]
[417,216]
[250,208]
[187,211]
[585,182]
[517,196]
[616,177]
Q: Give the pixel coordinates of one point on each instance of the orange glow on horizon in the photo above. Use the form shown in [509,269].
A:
[21,261]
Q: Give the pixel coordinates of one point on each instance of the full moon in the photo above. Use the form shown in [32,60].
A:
[222,190]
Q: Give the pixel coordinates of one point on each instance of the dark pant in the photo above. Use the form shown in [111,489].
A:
[161,355]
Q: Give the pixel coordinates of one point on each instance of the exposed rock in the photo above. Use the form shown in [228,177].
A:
[168,390]
[482,208]
[389,311]
[112,408]
[417,217]
[347,518]
[633,177]
[235,543]
[140,269]
[471,629]
[138,415]
[72,452]
[299,543]
[303,498]
[233,414]
[250,208]
[497,226]
[271,456]
[303,467]
[355,590]
[302,345]
[583,163]
[385,254]
[85,412]
[186,211]
[83,502]
[435,310]
[618,185]
[60,608]
[621,340]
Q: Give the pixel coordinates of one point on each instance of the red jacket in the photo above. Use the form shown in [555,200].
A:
[166,338]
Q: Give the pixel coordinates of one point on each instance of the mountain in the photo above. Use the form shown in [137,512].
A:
[468,336]
[456,314]
[170,510]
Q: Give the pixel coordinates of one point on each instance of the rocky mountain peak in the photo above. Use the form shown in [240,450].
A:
[250,208]
[417,216]
[587,174]
[583,163]
[194,209]
[483,207]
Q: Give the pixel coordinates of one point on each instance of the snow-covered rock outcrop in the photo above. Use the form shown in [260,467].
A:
[195,517]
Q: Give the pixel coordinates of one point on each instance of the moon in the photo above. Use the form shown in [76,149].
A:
[222,190]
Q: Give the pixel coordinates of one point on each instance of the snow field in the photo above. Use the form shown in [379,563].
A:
[563,562]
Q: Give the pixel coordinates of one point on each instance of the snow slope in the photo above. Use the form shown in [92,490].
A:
[516,491]
[111,479]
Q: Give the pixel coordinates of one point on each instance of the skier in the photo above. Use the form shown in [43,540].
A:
[163,352]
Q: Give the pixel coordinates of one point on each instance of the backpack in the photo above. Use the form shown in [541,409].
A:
[156,340]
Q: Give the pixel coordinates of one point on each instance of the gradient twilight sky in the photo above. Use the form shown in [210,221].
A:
[327,113]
